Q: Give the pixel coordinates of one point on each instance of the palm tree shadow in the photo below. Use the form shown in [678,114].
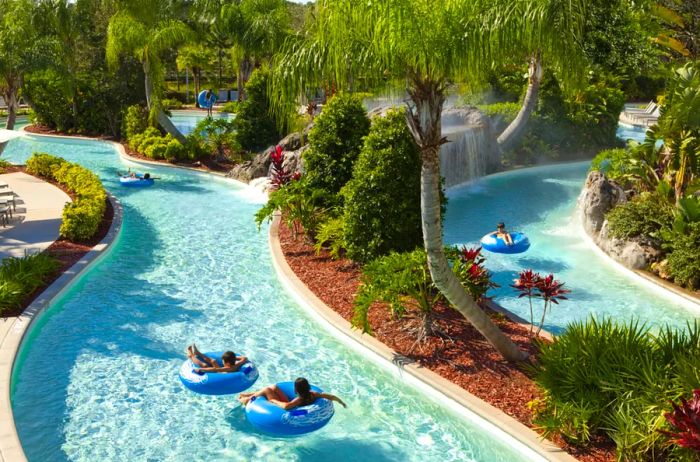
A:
[348,450]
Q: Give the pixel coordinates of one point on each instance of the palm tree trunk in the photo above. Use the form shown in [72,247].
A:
[425,124]
[515,130]
[163,120]
[244,71]
[12,103]
[147,83]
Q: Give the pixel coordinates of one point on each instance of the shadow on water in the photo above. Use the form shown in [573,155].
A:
[109,301]
[543,265]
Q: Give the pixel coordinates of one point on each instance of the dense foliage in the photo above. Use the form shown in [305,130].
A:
[20,277]
[602,377]
[335,142]
[82,217]
[382,200]
[256,126]
[645,215]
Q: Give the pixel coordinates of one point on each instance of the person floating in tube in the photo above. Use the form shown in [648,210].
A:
[501,233]
[230,362]
[304,396]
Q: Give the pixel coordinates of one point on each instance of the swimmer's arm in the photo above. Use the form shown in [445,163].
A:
[332,398]
[296,402]
[215,369]
[240,360]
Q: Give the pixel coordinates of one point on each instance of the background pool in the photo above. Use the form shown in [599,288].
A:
[186,121]
[96,378]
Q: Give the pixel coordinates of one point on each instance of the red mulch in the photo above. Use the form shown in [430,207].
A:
[207,165]
[67,253]
[465,358]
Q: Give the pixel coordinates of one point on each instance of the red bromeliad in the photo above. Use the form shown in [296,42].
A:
[471,271]
[280,176]
[685,423]
[531,284]
[526,284]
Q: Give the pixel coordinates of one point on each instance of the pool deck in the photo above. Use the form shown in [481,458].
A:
[37,219]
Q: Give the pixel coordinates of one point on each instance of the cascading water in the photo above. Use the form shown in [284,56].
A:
[471,151]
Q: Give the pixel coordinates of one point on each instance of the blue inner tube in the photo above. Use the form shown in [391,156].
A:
[218,383]
[204,102]
[135,182]
[497,245]
[274,420]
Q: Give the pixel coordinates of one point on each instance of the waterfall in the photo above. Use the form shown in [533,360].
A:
[471,151]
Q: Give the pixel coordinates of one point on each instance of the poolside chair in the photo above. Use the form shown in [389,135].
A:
[4,217]
[646,110]
[9,194]
[646,119]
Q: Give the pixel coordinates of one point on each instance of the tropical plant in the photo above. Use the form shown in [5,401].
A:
[526,284]
[335,142]
[468,265]
[135,121]
[684,421]
[279,175]
[645,215]
[617,379]
[402,281]
[218,136]
[331,236]
[683,261]
[301,206]
[195,57]
[21,277]
[381,210]
[141,30]
[426,45]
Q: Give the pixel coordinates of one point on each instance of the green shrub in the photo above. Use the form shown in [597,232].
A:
[614,163]
[81,219]
[20,277]
[256,127]
[172,103]
[44,165]
[617,379]
[684,259]
[335,142]
[506,112]
[155,147]
[645,215]
[217,137]
[302,207]
[135,121]
[330,236]
[402,281]
[382,200]
[4,165]
[137,140]
[231,107]
[174,151]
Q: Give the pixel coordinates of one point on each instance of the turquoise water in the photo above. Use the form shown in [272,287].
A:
[96,380]
[186,121]
[21,121]
[542,203]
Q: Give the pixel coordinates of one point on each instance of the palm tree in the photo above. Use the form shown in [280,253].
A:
[195,57]
[140,30]
[428,44]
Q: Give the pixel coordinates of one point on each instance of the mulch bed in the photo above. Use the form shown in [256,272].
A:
[208,165]
[66,252]
[464,357]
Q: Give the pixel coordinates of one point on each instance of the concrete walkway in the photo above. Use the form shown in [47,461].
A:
[38,217]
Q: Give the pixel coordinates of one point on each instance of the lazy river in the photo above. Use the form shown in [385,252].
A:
[541,202]
[96,377]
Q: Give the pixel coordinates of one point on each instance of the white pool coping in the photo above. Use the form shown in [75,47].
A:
[452,397]
[14,329]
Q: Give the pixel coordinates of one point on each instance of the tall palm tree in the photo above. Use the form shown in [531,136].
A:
[140,29]
[196,57]
[428,44]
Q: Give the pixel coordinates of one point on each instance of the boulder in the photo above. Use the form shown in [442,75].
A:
[293,161]
[293,141]
[635,253]
[247,171]
[599,196]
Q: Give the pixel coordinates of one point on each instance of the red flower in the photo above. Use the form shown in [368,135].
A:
[551,290]
[470,254]
[526,282]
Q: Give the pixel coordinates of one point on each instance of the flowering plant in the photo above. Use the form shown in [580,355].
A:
[468,265]
[279,175]
[531,284]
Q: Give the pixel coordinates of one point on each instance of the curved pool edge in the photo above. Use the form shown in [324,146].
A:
[679,295]
[14,329]
[446,393]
